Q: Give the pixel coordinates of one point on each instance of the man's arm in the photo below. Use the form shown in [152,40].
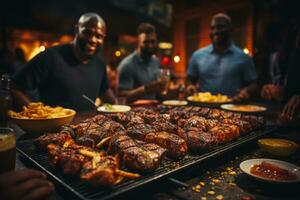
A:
[126,84]
[19,99]
[191,87]
[249,77]
[133,94]
[247,91]
[154,87]
[30,77]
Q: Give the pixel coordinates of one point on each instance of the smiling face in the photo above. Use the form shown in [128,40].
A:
[90,36]
[220,31]
[147,44]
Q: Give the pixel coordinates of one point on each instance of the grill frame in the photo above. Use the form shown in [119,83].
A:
[83,191]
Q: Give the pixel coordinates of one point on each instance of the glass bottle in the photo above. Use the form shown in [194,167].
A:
[5,100]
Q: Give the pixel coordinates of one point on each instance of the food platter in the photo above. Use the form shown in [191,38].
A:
[177,158]
[145,102]
[174,103]
[291,168]
[206,99]
[206,104]
[244,108]
[114,109]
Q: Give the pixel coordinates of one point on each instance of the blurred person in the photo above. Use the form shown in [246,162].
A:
[24,184]
[278,69]
[139,71]
[291,98]
[63,73]
[20,60]
[274,89]
[7,62]
[221,67]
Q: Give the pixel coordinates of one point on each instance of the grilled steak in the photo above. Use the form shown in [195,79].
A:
[135,154]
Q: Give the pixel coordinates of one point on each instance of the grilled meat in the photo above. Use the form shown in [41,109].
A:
[176,146]
[94,166]
[225,133]
[68,159]
[135,154]
[51,138]
[92,131]
[100,171]
[127,118]
[198,122]
[141,138]
[244,126]
[198,140]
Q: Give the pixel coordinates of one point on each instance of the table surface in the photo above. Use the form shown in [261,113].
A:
[221,177]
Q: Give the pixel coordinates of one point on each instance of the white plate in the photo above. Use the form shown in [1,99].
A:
[114,109]
[243,108]
[174,103]
[247,164]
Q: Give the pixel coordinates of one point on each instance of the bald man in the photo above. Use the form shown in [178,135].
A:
[221,67]
[63,73]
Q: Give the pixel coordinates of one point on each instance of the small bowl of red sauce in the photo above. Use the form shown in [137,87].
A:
[271,170]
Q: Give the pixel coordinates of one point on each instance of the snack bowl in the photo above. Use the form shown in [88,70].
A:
[40,126]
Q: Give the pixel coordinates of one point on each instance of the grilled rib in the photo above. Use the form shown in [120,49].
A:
[175,145]
[51,138]
[92,131]
[69,160]
[100,171]
[135,154]
[94,166]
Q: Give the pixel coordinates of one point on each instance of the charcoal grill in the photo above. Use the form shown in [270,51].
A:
[83,191]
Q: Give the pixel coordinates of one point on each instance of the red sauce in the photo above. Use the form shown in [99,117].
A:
[268,170]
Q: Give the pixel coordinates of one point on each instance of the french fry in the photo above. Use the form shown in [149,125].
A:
[129,175]
[103,141]
[88,153]
[39,111]
[119,180]
[208,97]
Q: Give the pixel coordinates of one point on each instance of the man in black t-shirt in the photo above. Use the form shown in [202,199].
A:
[62,74]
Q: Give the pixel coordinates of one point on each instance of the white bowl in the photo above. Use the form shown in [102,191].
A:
[248,164]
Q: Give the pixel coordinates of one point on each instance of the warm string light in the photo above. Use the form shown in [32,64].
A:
[42,48]
[246,51]
[117,53]
[176,59]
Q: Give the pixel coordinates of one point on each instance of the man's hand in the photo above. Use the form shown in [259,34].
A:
[191,89]
[24,185]
[271,91]
[241,96]
[291,110]
[156,87]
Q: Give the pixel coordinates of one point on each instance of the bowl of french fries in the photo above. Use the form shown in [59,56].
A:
[39,118]
[209,100]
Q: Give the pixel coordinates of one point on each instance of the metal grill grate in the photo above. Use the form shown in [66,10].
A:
[84,191]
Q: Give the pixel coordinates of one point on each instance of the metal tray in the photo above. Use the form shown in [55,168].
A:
[80,190]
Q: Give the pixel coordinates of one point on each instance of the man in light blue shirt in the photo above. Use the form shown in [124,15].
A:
[139,73]
[221,67]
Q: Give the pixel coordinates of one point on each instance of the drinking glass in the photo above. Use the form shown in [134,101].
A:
[7,149]
[165,75]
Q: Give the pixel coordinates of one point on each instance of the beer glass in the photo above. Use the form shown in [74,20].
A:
[165,75]
[7,149]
